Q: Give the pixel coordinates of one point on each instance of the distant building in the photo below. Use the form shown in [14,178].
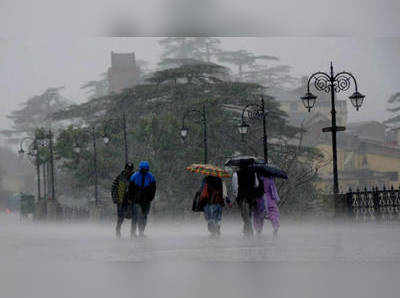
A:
[123,73]
[370,130]
[291,103]
[368,153]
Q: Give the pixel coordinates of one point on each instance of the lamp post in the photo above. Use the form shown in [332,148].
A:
[332,83]
[77,149]
[184,129]
[34,152]
[124,134]
[259,113]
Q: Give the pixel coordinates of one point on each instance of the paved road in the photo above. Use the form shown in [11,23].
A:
[179,260]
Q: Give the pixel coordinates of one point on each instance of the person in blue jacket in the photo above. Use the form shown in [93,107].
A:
[142,190]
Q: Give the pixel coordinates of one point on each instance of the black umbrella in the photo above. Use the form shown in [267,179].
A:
[266,170]
[243,161]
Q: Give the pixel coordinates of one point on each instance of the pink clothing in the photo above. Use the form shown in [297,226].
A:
[259,214]
[272,198]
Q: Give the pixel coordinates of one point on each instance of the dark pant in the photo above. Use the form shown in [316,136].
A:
[139,216]
[246,214]
[121,209]
[213,216]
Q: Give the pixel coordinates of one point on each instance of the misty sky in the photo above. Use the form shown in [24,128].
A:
[60,43]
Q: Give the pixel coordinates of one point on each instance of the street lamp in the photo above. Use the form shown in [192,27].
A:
[255,112]
[34,152]
[77,149]
[184,129]
[333,83]
[123,122]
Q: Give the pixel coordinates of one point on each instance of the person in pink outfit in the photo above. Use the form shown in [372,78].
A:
[267,206]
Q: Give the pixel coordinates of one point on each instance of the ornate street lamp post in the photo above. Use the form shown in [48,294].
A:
[34,152]
[184,129]
[123,123]
[77,149]
[333,83]
[255,111]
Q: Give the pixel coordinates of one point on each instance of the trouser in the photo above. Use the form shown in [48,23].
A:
[121,209]
[139,216]
[259,214]
[213,216]
[246,214]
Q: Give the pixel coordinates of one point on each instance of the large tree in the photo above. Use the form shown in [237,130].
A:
[394,109]
[243,59]
[155,112]
[198,48]
[36,111]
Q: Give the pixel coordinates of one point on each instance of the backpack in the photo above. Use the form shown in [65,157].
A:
[199,199]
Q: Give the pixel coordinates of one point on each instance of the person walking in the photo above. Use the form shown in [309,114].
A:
[246,189]
[271,203]
[142,190]
[119,192]
[212,200]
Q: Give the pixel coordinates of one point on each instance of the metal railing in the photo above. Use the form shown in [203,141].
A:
[379,205]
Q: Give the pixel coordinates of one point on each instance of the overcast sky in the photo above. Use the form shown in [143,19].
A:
[56,43]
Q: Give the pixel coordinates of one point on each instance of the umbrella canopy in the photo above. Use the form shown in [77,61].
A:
[267,170]
[243,161]
[208,170]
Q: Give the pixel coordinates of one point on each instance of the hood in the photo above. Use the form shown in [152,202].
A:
[144,165]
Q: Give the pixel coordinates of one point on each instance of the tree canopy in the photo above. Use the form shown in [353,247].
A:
[394,103]
[154,118]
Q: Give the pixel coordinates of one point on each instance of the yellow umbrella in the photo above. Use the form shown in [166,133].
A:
[208,170]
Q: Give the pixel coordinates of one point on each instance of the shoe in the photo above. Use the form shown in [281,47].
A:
[275,235]
[118,234]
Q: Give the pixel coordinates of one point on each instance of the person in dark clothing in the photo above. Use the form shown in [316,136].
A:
[119,194]
[245,186]
[142,190]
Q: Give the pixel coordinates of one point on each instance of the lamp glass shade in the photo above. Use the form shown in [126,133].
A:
[243,128]
[184,132]
[357,99]
[106,140]
[309,100]
[77,149]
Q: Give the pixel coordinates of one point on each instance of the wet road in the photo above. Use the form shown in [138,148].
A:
[179,260]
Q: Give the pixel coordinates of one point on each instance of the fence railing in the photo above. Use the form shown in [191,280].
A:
[381,205]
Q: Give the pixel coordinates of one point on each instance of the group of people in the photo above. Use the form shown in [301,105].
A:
[253,191]
[133,192]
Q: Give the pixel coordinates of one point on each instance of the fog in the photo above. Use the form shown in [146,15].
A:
[179,260]
[30,66]
[67,43]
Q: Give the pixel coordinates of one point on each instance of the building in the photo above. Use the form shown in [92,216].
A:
[291,103]
[123,73]
[368,152]
[365,159]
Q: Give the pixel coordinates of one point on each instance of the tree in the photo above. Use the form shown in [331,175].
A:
[241,59]
[198,48]
[394,102]
[273,77]
[36,111]
[97,88]
[154,112]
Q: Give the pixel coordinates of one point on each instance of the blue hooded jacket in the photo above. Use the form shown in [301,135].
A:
[142,186]
[137,178]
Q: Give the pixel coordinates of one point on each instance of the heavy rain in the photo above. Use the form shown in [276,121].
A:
[189,149]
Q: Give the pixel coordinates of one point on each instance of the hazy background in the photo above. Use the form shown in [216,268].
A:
[28,66]
[66,43]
